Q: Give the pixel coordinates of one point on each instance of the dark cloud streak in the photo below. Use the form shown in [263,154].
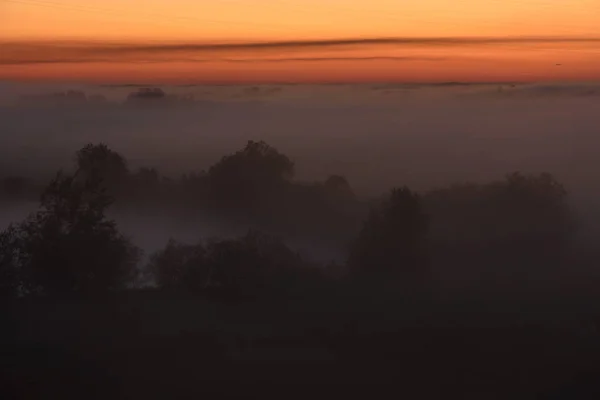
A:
[308,44]
[313,59]
[225,60]
[15,53]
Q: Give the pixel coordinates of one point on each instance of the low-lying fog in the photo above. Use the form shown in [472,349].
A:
[378,136]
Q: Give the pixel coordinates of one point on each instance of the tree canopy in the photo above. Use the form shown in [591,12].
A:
[393,238]
[519,208]
[69,245]
[251,178]
[252,264]
[99,161]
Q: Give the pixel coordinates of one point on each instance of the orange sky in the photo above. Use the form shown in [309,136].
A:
[200,21]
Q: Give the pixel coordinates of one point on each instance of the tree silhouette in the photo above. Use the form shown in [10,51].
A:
[538,208]
[180,266]
[520,208]
[9,274]
[251,180]
[69,245]
[145,94]
[508,231]
[393,239]
[147,177]
[99,161]
[195,189]
[255,264]
[144,187]
[327,211]
[339,192]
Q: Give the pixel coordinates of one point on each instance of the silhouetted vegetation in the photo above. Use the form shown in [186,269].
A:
[515,230]
[213,302]
[100,162]
[254,265]
[9,273]
[149,97]
[501,229]
[393,241]
[250,181]
[69,245]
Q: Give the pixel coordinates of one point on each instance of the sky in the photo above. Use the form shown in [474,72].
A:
[68,40]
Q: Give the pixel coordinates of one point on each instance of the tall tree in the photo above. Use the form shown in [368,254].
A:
[392,241]
[70,245]
[251,180]
[99,161]
[9,277]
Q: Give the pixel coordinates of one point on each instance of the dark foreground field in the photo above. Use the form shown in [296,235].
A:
[150,344]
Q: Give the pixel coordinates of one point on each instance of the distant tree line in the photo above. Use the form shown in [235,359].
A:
[142,97]
[70,245]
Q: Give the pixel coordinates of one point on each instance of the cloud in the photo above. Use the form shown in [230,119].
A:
[27,61]
[225,60]
[18,53]
[333,43]
[316,59]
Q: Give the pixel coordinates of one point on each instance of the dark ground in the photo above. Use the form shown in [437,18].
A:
[148,344]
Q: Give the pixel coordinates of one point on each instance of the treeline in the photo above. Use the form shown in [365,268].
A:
[252,187]
[144,96]
[516,230]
